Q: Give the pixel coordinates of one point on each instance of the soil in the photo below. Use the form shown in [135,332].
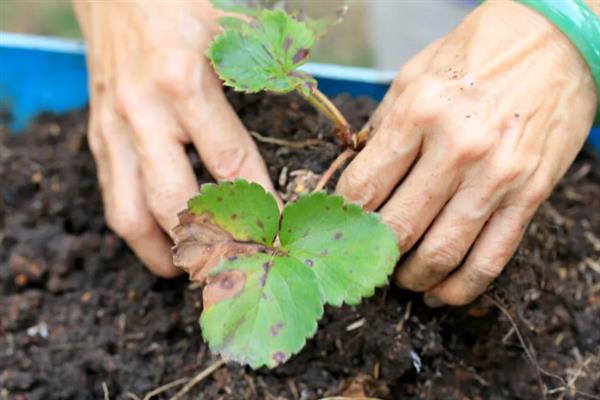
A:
[81,318]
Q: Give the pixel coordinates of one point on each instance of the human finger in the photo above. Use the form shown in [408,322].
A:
[168,177]
[490,253]
[126,209]
[376,170]
[448,240]
[202,110]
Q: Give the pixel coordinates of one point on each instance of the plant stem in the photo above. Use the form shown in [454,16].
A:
[287,143]
[329,110]
[335,165]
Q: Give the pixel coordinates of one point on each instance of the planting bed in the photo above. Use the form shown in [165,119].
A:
[79,312]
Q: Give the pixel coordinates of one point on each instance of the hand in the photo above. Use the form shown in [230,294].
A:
[470,140]
[152,92]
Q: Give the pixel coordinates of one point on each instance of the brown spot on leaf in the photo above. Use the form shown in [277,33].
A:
[287,43]
[278,357]
[301,55]
[224,285]
[200,245]
[219,199]
[276,328]
[263,278]
[260,224]
[233,216]
[309,262]
[338,235]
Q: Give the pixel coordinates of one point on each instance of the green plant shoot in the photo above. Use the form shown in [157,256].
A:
[263,52]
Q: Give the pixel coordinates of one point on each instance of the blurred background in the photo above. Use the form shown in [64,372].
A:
[376,33]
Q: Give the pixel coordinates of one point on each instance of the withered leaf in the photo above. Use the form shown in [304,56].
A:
[200,245]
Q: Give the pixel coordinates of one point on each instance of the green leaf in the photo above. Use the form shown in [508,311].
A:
[243,209]
[260,309]
[350,251]
[263,298]
[263,54]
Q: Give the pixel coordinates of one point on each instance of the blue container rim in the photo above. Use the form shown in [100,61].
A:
[40,73]
[72,46]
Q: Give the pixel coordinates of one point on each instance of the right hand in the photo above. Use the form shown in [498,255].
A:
[152,92]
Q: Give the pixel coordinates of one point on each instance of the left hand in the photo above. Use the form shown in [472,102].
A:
[470,140]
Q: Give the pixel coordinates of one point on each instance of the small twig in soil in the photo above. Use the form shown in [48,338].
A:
[105,391]
[199,378]
[165,387]
[335,165]
[530,355]
[131,396]
[287,143]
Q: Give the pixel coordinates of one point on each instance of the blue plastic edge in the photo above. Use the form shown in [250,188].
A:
[40,74]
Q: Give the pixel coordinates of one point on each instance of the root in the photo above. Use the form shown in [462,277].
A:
[533,359]
[105,391]
[287,143]
[165,387]
[189,382]
[198,378]
[335,165]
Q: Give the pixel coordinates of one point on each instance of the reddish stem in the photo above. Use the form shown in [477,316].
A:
[335,165]
[328,109]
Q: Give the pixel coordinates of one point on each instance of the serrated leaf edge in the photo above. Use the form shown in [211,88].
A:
[216,350]
[380,279]
[231,83]
[237,181]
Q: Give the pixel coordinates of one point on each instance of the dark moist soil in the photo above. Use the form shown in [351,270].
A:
[78,311]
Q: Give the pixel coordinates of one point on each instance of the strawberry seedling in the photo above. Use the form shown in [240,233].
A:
[268,273]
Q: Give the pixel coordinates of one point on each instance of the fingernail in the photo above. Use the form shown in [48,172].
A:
[432,301]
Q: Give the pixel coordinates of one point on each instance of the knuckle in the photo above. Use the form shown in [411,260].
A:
[128,99]
[406,232]
[427,104]
[440,257]
[228,162]
[166,200]
[512,170]
[94,141]
[466,149]
[486,272]
[536,197]
[537,194]
[357,185]
[127,225]
[178,73]
[506,174]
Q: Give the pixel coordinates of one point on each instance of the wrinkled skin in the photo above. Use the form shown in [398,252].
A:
[469,141]
[471,138]
[152,92]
